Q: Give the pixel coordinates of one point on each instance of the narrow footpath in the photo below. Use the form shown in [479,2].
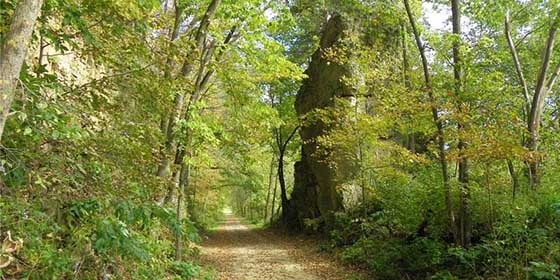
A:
[240,253]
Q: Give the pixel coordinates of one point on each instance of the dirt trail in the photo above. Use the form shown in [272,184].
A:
[240,253]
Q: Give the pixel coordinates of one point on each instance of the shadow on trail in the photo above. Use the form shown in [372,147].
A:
[232,233]
[238,252]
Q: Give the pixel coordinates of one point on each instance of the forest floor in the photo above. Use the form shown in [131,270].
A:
[238,252]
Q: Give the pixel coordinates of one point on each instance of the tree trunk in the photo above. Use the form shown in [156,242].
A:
[165,164]
[541,90]
[201,85]
[410,137]
[202,80]
[13,51]
[533,108]
[270,178]
[437,122]
[273,200]
[183,185]
[171,189]
[168,119]
[191,187]
[526,97]
[514,178]
[518,67]
[281,179]
[465,212]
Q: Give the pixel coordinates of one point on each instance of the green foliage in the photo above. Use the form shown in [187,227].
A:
[90,233]
[113,237]
[539,270]
[185,271]
[522,243]
[90,124]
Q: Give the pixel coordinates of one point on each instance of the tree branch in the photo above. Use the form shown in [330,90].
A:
[553,78]
[517,64]
[290,138]
[540,89]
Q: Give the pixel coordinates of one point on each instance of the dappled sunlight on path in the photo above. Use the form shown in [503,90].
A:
[239,253]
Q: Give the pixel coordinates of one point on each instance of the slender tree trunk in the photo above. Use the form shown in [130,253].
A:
[191,206]
[437,121]
[527,99]
[165,164]
[171,189]
[42,46]
[184,180]
[465,211]
[182,190]
[282,146]
[362,177]
[278,209]
[169,119]
[410,137]
[273,200]
[201,83]
[518,67]
[13,51]
[533,108]
[514,178]
[281,179]
[270,178]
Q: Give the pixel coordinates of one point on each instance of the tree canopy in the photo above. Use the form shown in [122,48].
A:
[419,151]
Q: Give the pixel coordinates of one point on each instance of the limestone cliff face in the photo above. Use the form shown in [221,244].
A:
[315,193]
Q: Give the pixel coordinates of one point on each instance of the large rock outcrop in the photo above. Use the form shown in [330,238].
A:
[315,189]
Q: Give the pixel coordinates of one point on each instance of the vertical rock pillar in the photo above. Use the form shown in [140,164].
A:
[315,189]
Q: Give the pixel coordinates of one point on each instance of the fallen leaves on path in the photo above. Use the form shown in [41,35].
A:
[240,253]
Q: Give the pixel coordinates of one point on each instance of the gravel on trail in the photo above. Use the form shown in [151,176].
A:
[237,252]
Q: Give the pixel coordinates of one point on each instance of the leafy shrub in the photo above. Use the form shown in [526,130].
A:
[131,240]
[542,271]
[522,244]
[185,270]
